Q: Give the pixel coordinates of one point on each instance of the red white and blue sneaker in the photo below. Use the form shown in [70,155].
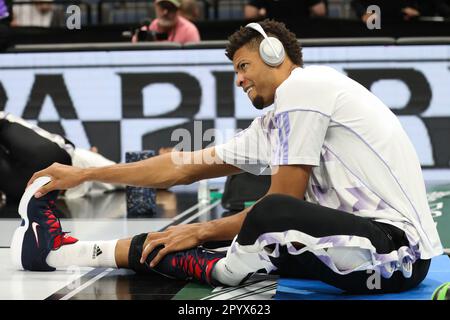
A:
[40,231]
[193,264]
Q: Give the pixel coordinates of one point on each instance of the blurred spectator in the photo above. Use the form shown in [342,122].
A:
[431,8]
[5,20]
[391,10]
[5,15]
[170,22]
[284,10]
[39,14]
[190,10]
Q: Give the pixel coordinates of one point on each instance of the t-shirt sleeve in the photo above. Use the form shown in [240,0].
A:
[248,150]
[298,137]
[153,26]
[191,34]
[304,106]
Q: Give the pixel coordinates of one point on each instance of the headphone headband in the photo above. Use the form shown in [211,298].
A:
[275,57]
[257,27]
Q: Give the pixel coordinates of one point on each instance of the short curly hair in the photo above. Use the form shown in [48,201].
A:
[247,36]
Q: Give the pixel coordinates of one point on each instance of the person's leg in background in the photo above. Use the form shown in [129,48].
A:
[282,233]
[28,147]
[83,158]
[23,152]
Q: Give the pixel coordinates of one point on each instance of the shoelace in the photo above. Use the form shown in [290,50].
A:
[193,266]
[54,225]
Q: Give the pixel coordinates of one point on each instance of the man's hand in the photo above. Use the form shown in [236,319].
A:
[410,13]
[318,10]
[252,12]
[63,177]
[366,17]
[175,238]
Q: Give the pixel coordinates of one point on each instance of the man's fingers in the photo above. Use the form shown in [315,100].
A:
[152,236]
[161,254]
[34,177]
[151,245]
[45,189]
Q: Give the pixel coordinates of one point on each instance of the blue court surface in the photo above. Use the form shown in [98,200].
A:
[295,289]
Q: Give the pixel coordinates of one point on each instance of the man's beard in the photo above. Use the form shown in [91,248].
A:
[258,102]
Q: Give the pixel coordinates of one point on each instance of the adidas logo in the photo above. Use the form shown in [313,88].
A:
[96,252]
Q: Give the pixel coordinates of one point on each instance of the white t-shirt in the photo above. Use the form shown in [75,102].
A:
[364,163]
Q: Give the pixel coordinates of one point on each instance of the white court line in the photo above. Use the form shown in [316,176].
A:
[182,214]
[86,284]
[201,212]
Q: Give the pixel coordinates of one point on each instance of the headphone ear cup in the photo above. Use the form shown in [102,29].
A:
[267,54]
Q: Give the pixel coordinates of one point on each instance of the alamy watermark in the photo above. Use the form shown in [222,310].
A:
[250,151]
[75,278]
[374,280]
[73,21]
[374,17]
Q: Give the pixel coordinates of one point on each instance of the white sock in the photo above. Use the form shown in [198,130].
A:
[84,254]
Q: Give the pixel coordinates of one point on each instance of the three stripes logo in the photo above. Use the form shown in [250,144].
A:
[96,252]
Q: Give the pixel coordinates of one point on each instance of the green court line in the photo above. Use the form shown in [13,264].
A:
[439,201]
[193,291]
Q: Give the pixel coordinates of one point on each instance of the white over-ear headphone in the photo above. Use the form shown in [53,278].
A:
[271,49]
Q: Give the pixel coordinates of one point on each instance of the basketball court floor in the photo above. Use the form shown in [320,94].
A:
[104,217]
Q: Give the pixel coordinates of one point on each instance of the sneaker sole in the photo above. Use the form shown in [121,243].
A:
[17,239]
